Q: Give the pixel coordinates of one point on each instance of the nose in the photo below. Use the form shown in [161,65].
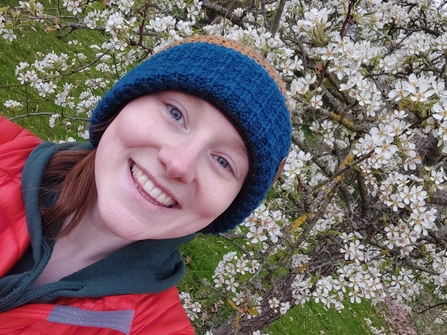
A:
[180,161]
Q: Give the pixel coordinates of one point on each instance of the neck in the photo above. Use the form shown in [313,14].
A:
[88,243]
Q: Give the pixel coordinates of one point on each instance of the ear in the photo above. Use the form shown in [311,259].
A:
[280,169]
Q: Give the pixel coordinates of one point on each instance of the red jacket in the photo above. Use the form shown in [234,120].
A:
[135,314]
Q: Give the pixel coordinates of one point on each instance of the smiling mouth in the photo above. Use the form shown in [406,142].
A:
[148,186]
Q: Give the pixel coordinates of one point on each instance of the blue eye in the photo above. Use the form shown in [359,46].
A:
[176,114]
[223,162]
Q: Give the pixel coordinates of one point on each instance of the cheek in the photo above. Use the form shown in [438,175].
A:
[217,199]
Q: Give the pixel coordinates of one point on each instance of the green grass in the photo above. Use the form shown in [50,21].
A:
[314,319]
[203,254]
[32,41]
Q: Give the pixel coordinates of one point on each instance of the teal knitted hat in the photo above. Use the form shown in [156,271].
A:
[237,81]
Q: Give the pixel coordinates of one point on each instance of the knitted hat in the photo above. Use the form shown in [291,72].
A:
[237,81]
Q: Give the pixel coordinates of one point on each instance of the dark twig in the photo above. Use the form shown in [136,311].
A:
[224,12]
[349,20]
[275,24]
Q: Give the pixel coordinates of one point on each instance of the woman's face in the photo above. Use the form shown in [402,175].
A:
[167,166]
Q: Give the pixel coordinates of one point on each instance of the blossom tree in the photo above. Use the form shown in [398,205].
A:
[360,209]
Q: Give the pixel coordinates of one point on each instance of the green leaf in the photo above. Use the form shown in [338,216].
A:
[370,13]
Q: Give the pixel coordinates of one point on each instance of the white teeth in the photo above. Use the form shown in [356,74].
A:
[161,198]
[150,188]
[153,191]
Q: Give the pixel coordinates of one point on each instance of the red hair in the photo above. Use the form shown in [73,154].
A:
[71,174]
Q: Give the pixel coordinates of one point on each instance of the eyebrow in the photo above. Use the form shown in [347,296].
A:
[242,149]
[239,145]
[198,102]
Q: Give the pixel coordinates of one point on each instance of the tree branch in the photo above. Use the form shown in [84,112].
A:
[279,10]
[349,20]
[223,12]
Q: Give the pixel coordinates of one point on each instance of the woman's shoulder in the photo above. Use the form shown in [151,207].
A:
[155,313]
[12,134]
[16,144]
[136,314]
[165,314]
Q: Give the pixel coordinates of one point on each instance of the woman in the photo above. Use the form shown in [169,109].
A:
[188,141]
